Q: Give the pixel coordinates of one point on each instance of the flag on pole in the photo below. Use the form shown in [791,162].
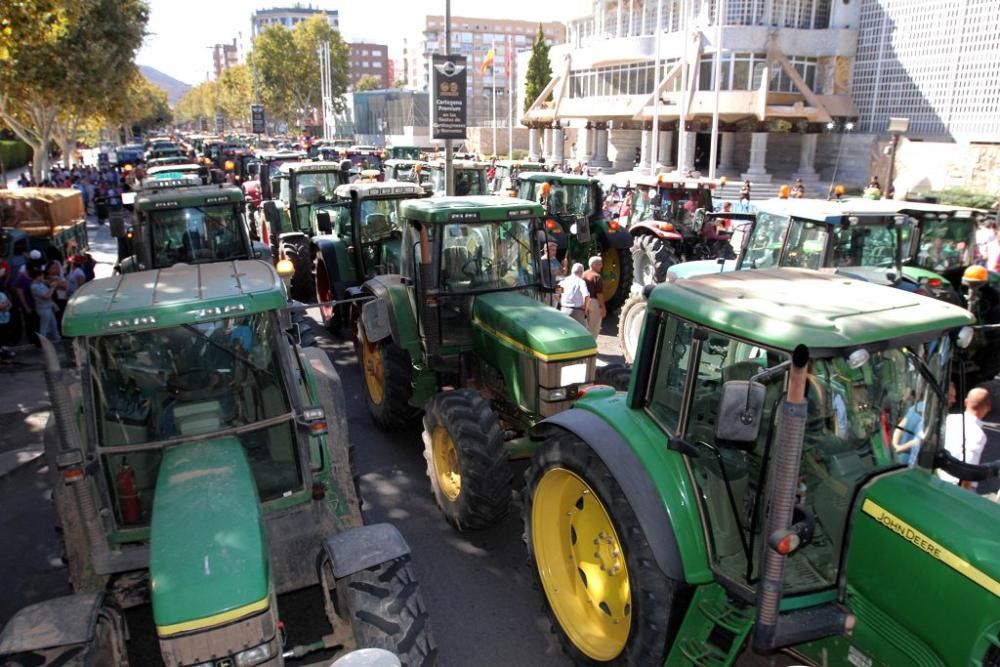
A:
[488,61]
[506,58]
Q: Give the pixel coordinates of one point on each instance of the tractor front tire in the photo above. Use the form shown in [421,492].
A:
[386,610]
[608,602]
[325,292]
[301,287]
[630,320]
[651,257]
[385,368]
[467,463]
[617,262]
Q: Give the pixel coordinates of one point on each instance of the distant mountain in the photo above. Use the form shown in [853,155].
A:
[175,89]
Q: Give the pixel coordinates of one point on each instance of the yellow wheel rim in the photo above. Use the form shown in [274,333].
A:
[581,564]
[446,467]
[371,362]
[611,271]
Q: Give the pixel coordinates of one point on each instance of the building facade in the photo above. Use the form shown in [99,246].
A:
[224,56]
[473,38]
[935,63]
[784,70]
[369,59]
[289,17]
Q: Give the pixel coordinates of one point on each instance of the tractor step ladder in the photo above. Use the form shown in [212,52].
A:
[713,631]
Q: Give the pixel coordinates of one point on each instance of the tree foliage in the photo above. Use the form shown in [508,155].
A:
[236,93]
[539,70]
[287,66]
[367,82]
[30,24]
[77,67]
[199,102]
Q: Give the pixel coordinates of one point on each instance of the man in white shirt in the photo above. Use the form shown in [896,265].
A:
[970,447]
[575,295]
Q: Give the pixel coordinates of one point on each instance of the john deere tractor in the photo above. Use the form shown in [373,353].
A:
[575,220]
[461,334]
[743,491]
[202,463]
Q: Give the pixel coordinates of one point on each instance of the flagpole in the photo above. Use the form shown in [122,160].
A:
[493,78]
[720,13]
[509,58]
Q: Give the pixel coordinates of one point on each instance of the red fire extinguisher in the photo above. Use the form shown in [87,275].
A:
[128,494]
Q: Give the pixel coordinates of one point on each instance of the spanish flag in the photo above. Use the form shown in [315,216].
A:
[488,61]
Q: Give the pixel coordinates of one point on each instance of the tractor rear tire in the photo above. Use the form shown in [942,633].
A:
[622,258]
[467,463]
[610,621]
[630,320]
[325,292]
[301,287]
[615,375]
[386,370]
[651,257]
[386,610]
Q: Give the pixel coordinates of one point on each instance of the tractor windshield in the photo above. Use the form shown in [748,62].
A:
[379,219]
[468,182]
[856,413]
[317,186]
[944,244]
[196,234]
[642,207]
[487,256]
[871,244]
[209,379]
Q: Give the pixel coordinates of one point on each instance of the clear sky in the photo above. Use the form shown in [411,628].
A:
[181,32]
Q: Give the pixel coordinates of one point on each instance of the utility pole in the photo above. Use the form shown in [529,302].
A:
[449,168]
[654,156]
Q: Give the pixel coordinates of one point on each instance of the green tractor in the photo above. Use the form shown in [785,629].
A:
[202,464]
[470,177]
[462,335]
[175,221]
[411,171]
[402,153]
[506,175]
[286,223]
[576,222]
[742,491]
[355,238]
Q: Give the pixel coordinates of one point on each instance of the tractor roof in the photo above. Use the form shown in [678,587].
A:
[309,167]
[400,161]
[469,209]
[179,193]
[672,180]
[830,212]
[369,189]
[459,164]
[180,294]
[556,177]
[164,180]
[182,167]
[521,164]
[916,208]
[779,308]
[281,155]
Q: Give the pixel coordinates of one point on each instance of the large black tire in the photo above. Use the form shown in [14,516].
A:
[651,257]
[386,610]
[655,603]
[624,279]
[301,287]
[615,375]
[630,320]
[463,443]
[325,292]
[385,369]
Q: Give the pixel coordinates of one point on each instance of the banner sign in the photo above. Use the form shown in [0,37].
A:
[449,113]
[257,118]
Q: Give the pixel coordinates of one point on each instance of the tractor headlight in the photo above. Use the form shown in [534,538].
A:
[551,395]
[965,335]
[572,374]
[255,655]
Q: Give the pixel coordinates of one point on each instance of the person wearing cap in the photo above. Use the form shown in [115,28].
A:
[596,310]
[575,298]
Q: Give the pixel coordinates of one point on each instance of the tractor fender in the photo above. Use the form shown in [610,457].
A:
[363,547]
[619,238]
[390,292]
[333,252]
[646,229]
[64,621]
[631,476]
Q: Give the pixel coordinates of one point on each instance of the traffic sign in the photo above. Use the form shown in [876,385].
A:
[219,123]
[257,118]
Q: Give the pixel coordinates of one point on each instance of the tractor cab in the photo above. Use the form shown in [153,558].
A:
[575,221]
[411,153]
[470,177]
[411,171]
[506,175]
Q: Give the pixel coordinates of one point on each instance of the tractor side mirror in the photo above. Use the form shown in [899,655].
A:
[323,222]
[741,410]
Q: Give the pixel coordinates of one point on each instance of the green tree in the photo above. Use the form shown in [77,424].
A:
[30,24]
[367,82]
[236,93]
[539,70]
[48,91]
[197,103]
[287,65]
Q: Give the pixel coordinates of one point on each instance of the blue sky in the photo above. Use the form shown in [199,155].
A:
[182,32]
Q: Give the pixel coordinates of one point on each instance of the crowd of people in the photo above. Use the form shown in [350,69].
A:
[101,187]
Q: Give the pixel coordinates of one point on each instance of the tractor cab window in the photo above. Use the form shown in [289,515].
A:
[806,244]
[379,221]
[643,205]
[763,251]
[487,256]
[468,182]
[314,187]
[570,199]
[871,244]
[852,410]
[944,244]
[196,234]
[200,380]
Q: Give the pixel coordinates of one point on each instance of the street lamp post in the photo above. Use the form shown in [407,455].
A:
[847,127]
[897,128]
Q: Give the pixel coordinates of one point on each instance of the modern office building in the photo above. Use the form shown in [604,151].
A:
[224,56]
[784,77]
[473,38]
[369,59]
[290,16]
[935,63]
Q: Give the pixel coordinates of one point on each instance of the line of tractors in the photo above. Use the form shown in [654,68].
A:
[735,487]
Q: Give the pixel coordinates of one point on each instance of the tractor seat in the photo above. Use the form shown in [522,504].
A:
[453,261]
[195,418]
[308,194]
[377,225]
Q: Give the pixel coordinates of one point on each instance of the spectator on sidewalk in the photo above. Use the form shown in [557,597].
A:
[575,297]
[75,275]
[54,277]
[745,192]
[596,309]
[101,204]
[42,292]
[26,303]
[964,437]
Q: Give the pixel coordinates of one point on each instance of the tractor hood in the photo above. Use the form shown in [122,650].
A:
[208,557]
[532,327]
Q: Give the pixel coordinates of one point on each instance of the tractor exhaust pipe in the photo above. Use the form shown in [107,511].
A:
[428,295]
[786,474]
[70,442]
